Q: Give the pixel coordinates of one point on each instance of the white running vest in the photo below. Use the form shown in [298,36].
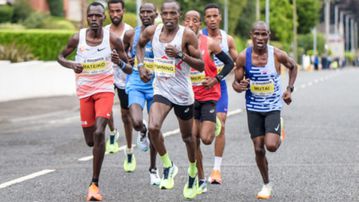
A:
[172,79]
[120,76]
[97,74]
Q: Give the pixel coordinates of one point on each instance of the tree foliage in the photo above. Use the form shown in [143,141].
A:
[308,12]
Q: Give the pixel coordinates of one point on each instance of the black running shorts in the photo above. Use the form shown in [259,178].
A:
[123,97]
[260,123]
[182,112]
[205,110]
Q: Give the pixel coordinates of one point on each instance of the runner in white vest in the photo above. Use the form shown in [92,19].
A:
[95,49]
[175,50]
[116,10]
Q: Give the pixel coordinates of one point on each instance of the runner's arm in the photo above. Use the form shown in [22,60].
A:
[216,49]
[232,48]
[240,84]
[193,58]
[127,42]
[145,37]
[289,63]
[70,47]
[119,54]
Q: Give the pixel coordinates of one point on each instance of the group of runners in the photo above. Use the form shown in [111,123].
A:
[168,65]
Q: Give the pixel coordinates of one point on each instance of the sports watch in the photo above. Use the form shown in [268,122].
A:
[290,88]
[180,55]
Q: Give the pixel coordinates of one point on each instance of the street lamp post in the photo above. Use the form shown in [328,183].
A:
[138,5]
[257,10]
[267,12]
[226,15]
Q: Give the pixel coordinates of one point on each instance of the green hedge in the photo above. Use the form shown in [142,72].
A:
[44,44]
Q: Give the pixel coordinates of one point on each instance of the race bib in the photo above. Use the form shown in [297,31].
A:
[165,67]
[262,88]
[149,63]
[197,78]
[94,67]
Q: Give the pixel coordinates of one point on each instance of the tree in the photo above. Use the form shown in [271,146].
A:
[308,15]
[281,21]
[246,19]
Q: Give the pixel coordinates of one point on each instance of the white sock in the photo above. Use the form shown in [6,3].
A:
[112,133]
[217,163]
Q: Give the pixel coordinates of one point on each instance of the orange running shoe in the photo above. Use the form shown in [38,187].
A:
[215,177]
[94,193]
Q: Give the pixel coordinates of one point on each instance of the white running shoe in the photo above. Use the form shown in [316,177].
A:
[142,139]
[266,192]
[155,178]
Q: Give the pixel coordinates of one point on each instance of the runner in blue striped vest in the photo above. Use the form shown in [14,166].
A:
[258,73]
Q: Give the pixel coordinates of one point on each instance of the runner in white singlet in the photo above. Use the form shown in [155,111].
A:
[175,49]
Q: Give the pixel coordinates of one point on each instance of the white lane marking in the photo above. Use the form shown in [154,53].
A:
[316,81]
[303,86]
[310,83]
[27,177]
[166,134]
[87,158]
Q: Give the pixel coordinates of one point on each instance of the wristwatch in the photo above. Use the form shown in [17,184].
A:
[180,55]
[290,88]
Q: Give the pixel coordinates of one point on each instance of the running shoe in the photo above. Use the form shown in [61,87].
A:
[266,192]
[218,127]
[282,132]
[142,139]
[167,181]
[155,178]
[215,177]
[202,187]
[93,193]
[190,188]
[129,165]
[112,144]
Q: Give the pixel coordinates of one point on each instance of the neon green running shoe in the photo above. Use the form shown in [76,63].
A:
[167,181]
[112,143]
[218,127]
[190,188]
[129,165]
[202,187]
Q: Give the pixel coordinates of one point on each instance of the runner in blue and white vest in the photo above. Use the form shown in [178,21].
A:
[258,73]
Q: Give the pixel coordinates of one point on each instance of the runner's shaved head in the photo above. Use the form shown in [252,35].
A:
[193,13]
[260,25]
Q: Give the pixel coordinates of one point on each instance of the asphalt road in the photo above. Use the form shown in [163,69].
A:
[318,161]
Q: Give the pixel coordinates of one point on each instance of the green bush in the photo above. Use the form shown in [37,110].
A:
[16,53]
[6,13]
[22,10]
[35,20]
[56,7]
[11,26]
[43,44]
[58,23]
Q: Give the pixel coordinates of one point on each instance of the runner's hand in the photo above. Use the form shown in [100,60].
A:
[115,58]
[209,82]
[240,86]
[145,74]
[131,60]
[287,97]
[171,51]
[77,67]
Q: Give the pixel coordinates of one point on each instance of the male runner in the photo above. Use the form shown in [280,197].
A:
[116,10]
[175,50]
[139,92]
[94,80]
[258,73]
[212,17]
[207,91]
